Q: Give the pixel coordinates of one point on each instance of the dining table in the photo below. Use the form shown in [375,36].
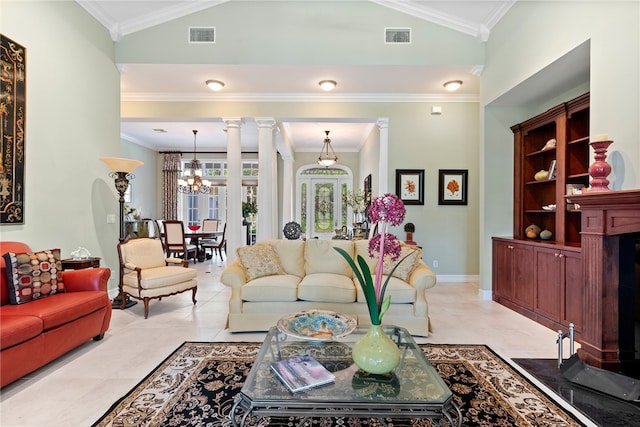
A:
[194,238]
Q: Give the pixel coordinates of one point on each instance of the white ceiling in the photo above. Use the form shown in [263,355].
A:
[284,82]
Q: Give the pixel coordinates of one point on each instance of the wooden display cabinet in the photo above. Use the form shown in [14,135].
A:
[543,279]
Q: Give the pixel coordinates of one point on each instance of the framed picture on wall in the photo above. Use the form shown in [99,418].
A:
[452,186]
[410,186]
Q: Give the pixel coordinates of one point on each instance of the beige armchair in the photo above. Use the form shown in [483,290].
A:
[146,274]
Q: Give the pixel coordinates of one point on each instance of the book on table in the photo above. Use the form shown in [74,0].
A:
[301,373]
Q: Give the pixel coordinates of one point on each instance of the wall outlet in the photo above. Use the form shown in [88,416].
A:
[435,263]
[111,218]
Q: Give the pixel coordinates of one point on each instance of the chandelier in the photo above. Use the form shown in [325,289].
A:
[327,155]
[191,181]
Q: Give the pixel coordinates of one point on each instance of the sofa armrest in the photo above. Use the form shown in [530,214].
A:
[233,276]
[422,277]
[87,279]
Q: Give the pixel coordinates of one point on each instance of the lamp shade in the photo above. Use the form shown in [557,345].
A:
[118,164]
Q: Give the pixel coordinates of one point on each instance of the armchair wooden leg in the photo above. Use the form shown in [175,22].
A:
[146,308]
[193,295]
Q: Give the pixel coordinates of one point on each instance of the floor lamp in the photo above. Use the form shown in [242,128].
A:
[121,172]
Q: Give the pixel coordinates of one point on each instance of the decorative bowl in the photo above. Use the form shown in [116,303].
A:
[193,227]
[317,325]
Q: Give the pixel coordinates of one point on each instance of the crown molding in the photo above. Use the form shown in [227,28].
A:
[302,97]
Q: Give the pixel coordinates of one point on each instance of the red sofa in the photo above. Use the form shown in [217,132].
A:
[35,333]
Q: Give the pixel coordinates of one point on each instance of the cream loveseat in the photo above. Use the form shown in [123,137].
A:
[278,277]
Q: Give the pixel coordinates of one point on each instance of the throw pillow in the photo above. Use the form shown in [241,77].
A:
[33,275]
[259,260]
[407,266]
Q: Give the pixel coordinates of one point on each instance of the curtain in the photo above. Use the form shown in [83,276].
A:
[170,171]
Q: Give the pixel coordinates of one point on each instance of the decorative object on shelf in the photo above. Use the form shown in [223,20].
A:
[532,231]
[546,235]
[549,145]
[552,169]
[409,228]
[410,186]
[600,169]
[317,325]
[80,253]
[452,186]
[541,175]
[376,352]
[327,155]
[292,230]
[121,172]
[13,113]
[192,182]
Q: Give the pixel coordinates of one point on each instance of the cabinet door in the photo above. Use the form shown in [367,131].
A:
[573,289]
[522,267]
[548,286]
[502,273]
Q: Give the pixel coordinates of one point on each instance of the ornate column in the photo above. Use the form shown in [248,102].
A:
[234,234]
[383,166]
[266,184]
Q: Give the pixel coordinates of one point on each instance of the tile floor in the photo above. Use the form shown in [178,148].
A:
[78,388]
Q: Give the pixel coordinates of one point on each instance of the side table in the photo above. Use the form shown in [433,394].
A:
[78,264]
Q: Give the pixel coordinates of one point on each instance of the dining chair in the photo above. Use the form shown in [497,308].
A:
[175,243]
[208,225]
[218,247]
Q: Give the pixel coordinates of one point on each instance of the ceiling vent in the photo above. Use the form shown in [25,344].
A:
[397,35]
[202,34]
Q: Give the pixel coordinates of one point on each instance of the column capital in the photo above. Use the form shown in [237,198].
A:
[232,121]
[266,122]
[383,122]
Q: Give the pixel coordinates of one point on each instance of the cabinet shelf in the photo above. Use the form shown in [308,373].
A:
[544,181]
[584,140]
[541,152]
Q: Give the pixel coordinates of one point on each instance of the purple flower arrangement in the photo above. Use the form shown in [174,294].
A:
[386,210]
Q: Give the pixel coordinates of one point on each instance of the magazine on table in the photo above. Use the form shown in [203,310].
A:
[301,373]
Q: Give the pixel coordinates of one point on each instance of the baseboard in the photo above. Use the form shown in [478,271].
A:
[457,278]
[484,294]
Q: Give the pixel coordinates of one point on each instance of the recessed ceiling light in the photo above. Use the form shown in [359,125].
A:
[215,84]
[453,85]
[328,85]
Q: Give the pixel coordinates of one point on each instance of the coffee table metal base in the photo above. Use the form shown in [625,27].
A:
[304,410]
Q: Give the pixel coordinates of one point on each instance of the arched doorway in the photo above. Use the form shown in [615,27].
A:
[319,202]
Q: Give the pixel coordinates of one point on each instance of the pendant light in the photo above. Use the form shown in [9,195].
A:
[327,155]
[191,181]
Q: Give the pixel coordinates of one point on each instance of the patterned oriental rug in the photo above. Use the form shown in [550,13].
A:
[198,383]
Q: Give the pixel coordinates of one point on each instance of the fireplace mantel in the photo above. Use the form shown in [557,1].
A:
[610,220]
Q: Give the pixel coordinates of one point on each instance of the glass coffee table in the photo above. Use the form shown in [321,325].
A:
[413,390]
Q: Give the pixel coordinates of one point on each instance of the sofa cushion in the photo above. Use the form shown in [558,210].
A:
[407,266]
[159,277]
[400,291]
[327,287]
[60,309]
[259,260]
[320,257]
[291,254]
[33,275]
[4,248]
[282,287]
[18,329]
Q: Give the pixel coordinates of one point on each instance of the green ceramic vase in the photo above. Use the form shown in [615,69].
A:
[375,352]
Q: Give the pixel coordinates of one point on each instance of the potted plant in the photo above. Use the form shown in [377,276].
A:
[409,228]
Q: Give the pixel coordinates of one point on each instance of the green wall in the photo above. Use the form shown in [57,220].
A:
[73,119]
[523,46]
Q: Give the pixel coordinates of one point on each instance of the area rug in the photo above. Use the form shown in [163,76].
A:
[198,384]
